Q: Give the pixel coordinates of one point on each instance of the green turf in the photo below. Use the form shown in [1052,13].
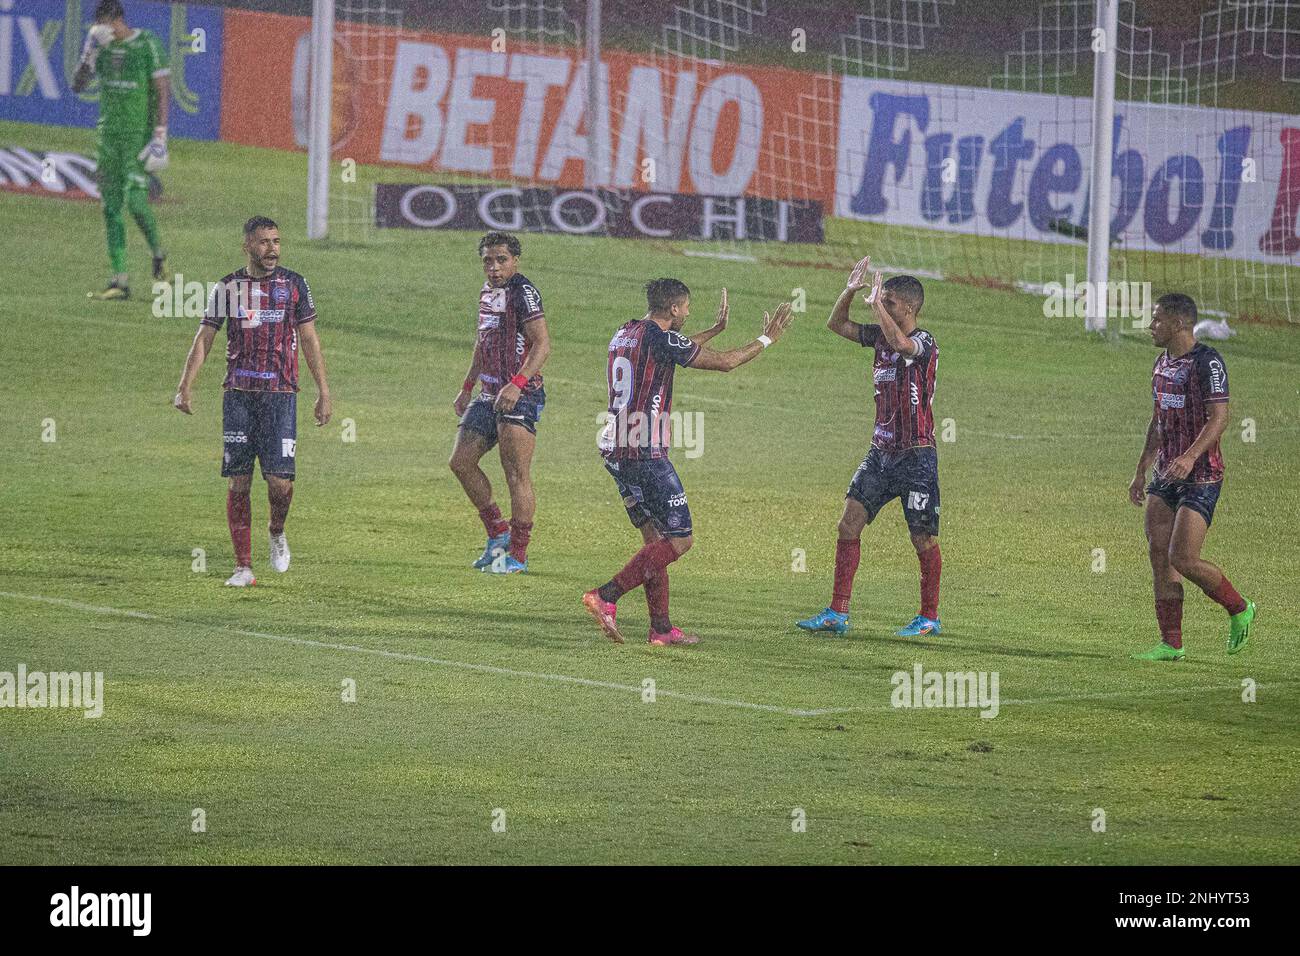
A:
[206,708]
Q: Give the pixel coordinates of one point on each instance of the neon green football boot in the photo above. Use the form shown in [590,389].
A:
[1239,636]
[1161,652]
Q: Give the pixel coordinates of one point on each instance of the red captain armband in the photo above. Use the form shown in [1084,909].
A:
[519,382]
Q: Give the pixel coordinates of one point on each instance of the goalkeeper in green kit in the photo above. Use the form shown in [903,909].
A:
[133,76]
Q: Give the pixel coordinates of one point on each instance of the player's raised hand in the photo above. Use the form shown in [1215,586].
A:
[723,312]
[774,325]
[872,298]
[858,277]
[324,409]
[182,401]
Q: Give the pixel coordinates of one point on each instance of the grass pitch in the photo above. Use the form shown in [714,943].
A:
[483,699]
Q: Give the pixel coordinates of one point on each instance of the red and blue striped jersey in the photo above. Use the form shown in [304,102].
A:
[502,348]
[904,390]
[261,317]
[642,359]
[1183,389]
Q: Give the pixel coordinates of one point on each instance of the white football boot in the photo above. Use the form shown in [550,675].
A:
[242,578]
[280,552]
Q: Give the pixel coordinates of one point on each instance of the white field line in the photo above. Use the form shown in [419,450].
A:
[435,661]
[603,685]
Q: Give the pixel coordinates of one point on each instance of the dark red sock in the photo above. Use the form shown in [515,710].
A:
[239,511]
[847,555]
[1169,615]
[279,508]
[656,599]
[1226,595]
[931,565]
[520,532]
[493,523]
[654,557]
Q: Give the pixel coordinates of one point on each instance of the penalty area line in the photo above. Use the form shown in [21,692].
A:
[434,661]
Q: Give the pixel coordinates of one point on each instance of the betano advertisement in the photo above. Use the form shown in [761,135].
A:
[40,45]
[449,103]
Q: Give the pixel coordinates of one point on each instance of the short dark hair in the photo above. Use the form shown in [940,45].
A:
[256,223]
[660,294]
[501,239]
[1180,304]
[909,289]
[108,11]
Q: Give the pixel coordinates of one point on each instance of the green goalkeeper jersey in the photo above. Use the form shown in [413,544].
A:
[126,69]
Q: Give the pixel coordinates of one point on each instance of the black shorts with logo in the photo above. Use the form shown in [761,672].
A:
[1200,496]
[651,491]
[483,418]
[262,426]
[911,475]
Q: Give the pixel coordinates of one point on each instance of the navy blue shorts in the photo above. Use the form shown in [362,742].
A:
[651,491]
[482,418]
[1200,496]
[261,425]
[911,475]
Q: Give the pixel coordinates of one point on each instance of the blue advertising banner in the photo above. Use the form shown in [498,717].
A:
[41,41]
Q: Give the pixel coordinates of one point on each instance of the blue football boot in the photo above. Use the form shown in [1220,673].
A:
[495,546]
[826,620]
[919,627]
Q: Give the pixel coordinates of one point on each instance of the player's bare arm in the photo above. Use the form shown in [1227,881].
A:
[839,321]
[1137,488]
[1181,467]
[898,339]
[309,341]
[539,347]
[774,326]
[467,390]
[193,362]
[720,325]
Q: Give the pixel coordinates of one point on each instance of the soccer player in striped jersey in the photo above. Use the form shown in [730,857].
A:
[643,355]
[511,347]
[903,462]
[1189,386]
[268,313]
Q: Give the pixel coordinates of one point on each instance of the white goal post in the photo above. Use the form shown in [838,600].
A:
[320,118]
[1105,35]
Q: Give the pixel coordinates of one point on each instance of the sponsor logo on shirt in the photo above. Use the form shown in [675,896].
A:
[1170,400]
[532,298]
[1216,376]
[624,342]
[252,318]
[886,374]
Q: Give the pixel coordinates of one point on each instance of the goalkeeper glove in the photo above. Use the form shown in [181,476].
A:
[97,37]
[154,156]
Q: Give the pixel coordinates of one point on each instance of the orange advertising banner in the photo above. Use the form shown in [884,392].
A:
[451,103]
